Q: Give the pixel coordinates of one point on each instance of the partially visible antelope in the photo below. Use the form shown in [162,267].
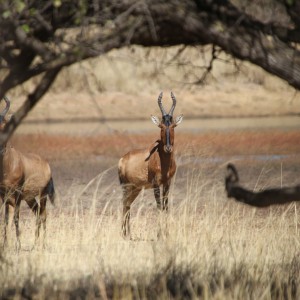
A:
[150,167]
[25,177]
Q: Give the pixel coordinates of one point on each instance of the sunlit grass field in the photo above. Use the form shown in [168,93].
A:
[209,248]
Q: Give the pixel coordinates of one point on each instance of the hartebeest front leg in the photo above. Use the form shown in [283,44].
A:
[129,195]
[163,229]
[166,188]
[157,196]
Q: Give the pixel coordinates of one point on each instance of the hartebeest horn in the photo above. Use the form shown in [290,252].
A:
[173,105]
[160,104]
[6,109]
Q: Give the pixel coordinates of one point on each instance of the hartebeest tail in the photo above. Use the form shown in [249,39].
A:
[50,191]
[25,177]
[150,167]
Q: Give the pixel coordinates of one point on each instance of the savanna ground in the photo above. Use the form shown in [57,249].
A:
[211,247]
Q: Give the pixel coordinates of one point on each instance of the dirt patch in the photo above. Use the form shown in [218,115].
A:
[215,143]
[265,158]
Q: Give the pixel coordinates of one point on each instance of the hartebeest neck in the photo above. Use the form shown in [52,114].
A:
[165,158]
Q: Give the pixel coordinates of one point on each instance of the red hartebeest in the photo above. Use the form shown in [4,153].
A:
[25,177]
[150,167]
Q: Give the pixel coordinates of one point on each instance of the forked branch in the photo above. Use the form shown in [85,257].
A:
[30,102]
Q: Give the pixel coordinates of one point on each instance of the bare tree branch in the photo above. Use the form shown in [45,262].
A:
[30,102]
[42,37]
[263,198]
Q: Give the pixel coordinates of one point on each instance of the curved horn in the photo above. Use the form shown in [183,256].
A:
[160,104]
[6,109]
[173,105]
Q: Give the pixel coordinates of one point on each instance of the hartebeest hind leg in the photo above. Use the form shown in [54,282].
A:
[41,217]
[129,195]
[17,217]
[6,222]
[39,209]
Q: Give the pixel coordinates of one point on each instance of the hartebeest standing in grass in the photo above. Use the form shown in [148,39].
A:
[150,167]
[25,177]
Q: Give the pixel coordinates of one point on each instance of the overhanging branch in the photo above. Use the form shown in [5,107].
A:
[30,102]
[154,23]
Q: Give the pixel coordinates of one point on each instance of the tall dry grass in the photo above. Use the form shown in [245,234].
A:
[210,248]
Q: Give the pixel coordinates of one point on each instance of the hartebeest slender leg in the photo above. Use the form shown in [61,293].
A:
[157,196]
[129,194]
[166,188]
[163,229]
[6,222]
[41,218]
[16,217]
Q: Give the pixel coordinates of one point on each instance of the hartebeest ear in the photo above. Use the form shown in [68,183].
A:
[155,120]
[178,120]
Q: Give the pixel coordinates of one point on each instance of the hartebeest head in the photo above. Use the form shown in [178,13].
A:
[167,124]
[4,112]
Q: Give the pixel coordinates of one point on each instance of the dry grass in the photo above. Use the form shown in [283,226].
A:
[211,248]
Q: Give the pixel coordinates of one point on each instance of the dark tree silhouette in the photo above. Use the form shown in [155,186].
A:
[263,198]
[40,37]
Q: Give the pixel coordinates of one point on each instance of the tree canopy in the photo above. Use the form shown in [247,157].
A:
[40,37]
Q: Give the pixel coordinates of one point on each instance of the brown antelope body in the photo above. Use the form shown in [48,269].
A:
[25,177]
[150,167]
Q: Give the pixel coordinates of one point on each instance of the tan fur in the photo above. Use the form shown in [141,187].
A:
[26,177]
[146,168]
[150,168]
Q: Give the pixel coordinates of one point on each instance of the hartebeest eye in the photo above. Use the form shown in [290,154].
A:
[155,120]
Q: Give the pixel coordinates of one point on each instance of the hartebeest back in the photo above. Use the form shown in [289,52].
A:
[25,177]
[150,167]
